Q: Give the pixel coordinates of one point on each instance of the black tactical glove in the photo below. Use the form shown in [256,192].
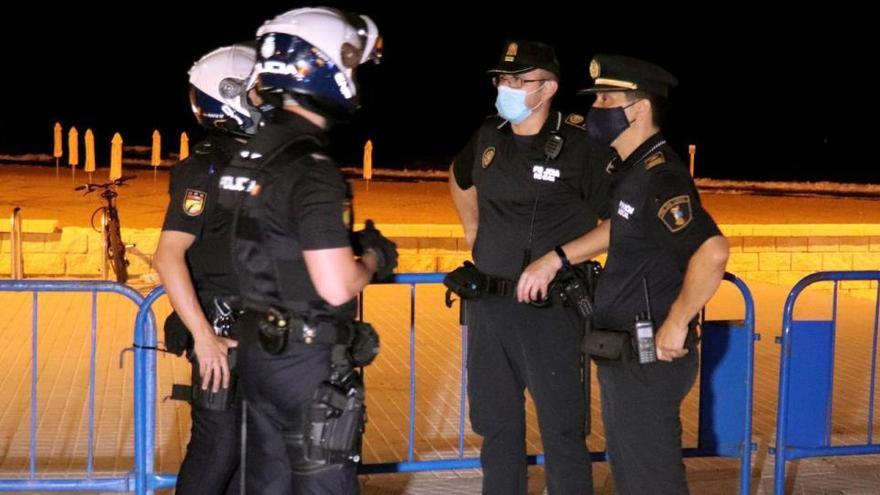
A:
[386,251]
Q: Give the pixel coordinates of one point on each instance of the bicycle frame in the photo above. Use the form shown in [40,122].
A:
[113,249]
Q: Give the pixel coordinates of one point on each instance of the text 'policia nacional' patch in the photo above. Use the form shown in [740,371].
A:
[676,213]
[194,202]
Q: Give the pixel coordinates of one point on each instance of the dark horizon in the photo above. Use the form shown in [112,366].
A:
[757,93]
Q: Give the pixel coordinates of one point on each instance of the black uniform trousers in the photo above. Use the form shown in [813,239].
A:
[212,455]
[278,390]
[513,346]
[640,412]
[211,464]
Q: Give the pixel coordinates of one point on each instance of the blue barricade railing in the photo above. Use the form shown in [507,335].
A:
[725,394]
[726,390]
[145,399]
[89,482]
[806,376]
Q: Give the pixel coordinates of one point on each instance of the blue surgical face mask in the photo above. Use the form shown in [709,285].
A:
[511,104]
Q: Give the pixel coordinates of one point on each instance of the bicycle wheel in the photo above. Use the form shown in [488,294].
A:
[116,250]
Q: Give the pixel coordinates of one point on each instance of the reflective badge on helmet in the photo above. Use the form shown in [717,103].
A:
[268,47]
[676,213]
[194,202]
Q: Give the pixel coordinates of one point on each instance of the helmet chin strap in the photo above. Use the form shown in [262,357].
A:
[271,102]
[274,102]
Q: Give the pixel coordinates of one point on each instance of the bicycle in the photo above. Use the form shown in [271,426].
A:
[113,246]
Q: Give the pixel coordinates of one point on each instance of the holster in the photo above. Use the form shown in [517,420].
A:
[336,422]
[608,346]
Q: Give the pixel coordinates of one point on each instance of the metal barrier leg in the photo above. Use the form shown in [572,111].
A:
[15,233]
[726,387]
[105,272]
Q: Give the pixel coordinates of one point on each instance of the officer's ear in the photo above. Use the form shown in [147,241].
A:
[551,86]
[649,111]
[642,109]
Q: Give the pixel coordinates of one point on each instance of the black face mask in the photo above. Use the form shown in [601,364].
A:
[604,125]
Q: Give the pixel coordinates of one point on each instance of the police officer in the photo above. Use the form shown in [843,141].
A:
[298,273]
[661,241]
[527,181]
[195,266]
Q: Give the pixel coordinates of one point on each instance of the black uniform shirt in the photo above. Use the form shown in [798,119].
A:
[193,208]
[511,171]
[657,223]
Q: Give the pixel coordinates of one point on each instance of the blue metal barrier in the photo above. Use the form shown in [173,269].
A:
[727,368]
[726,389]
[806,376]
[145,399]
[89,482]
[725,406]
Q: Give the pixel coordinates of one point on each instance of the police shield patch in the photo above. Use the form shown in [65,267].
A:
[488,156]
[194,202]
[676,213]
[575,119]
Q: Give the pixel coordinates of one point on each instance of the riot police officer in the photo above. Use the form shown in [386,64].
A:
[298,271]
[666,258]
[195,266]
[527,181]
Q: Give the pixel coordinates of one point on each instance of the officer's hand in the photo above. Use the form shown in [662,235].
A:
[670,341]
[211,353]
[536,277]
[370,239]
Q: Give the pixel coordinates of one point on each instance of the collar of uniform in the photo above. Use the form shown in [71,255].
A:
[553,123]
[641,152]
[223,142]
[288,125]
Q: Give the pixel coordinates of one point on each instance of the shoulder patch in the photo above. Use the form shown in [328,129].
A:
[576,120]
[194,202]
[676,213]
[654,160]
[488,156]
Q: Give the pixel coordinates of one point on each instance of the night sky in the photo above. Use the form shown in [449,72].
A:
[764,95]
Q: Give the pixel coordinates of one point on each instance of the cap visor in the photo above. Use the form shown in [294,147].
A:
[601,88]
